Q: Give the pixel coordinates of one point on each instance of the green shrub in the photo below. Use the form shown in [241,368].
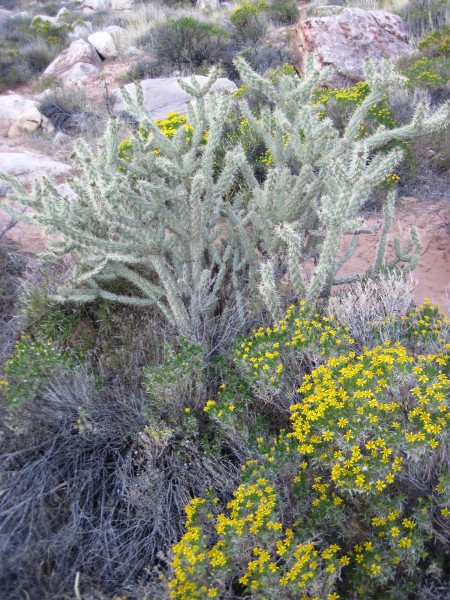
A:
[53,34]
[431,70]
[187,42]
[354,500]
[32,364]
[283,11]
[250,21]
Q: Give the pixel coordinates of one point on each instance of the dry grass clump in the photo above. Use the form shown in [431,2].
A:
[365,306]
[89,484]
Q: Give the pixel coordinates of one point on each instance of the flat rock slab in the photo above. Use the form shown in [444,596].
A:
[346,40]
[27,166]
[164,95]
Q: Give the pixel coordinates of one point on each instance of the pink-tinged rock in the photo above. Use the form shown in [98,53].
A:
[346,40]
[75,64]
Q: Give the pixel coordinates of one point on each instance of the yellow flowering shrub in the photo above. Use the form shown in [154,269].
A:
[354,500]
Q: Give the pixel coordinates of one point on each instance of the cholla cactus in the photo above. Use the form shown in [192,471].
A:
[197,238]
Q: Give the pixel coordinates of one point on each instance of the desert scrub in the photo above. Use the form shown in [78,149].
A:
[203,240]
[32,363]
[368,501]
[249,20]
[187,43]
[27,47]
[429,67]
[53,34]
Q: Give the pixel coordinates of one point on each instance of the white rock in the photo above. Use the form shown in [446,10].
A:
[97,4]
[122,4]
[28,122]
[75,64]
[11,107]
[164,94]
[27,166]
[104,43]
[76,75]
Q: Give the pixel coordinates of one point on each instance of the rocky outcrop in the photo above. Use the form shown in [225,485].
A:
[12,106]
[75,64]
[29,122]
[164,94]
[27,166]
[104,43]
[346,40]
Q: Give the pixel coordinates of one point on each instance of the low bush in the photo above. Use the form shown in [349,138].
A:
[285,12]
[12,265]
[187,43]
[72,112]
[94,480]
[424,16]
[31,365]
[250,20]
[353,501]
[429,67]
[27,47]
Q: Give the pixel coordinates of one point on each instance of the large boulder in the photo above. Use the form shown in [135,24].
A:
[27,166]
[104,43]
[11,107]
[75,64]
[164,94]
[346,40]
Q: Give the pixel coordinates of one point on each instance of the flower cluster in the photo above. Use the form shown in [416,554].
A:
[357,492]
[301,330]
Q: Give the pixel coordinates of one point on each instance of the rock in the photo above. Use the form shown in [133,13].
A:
[75,64]
[122,4]
[164,95]
[29,122]
[344,41]
[97,4]
[103,42]
[62,13]
[11,107]
[27,166]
